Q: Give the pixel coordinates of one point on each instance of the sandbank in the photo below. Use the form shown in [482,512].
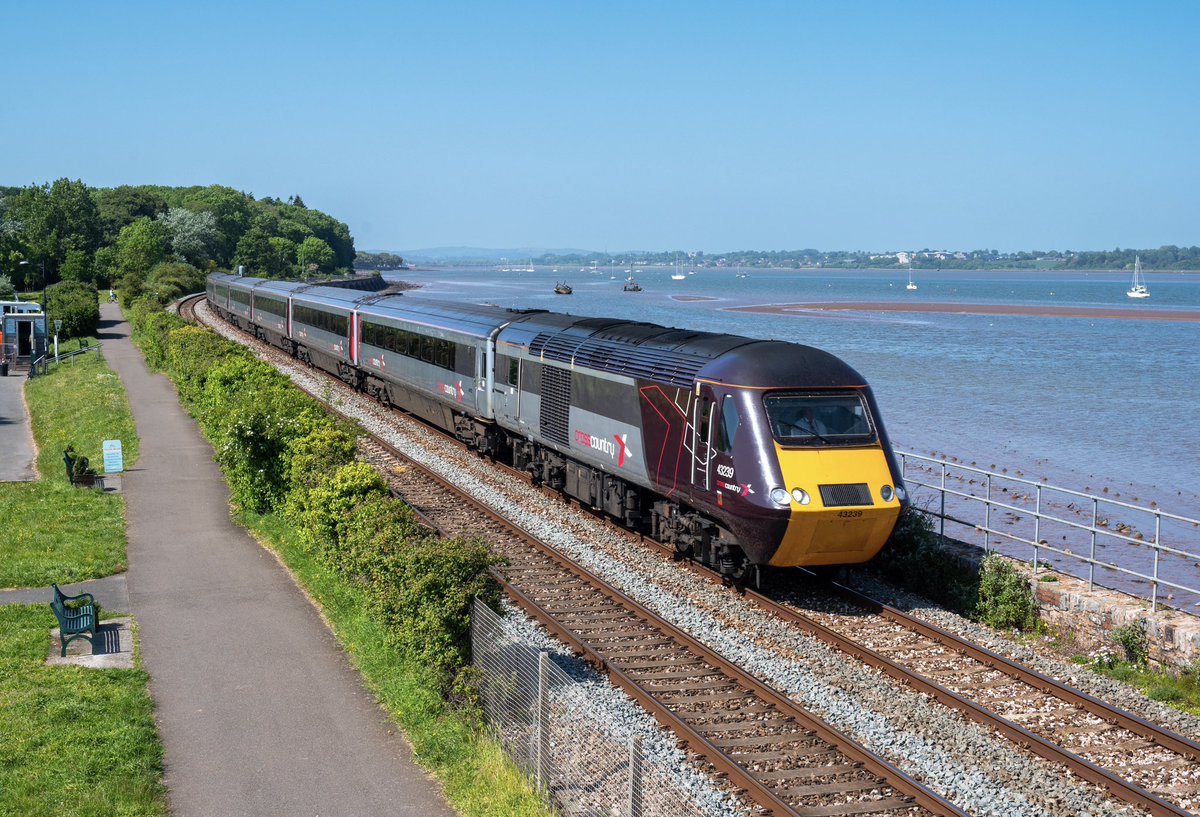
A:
[1105,313]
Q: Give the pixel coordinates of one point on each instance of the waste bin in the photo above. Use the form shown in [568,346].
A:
[3,368]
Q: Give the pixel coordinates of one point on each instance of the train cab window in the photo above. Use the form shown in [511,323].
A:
[730,422]
[509,369]
[825,418]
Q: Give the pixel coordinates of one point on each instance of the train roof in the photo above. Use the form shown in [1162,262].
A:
[336,297]
[629,348]
[775,364]
[478,320]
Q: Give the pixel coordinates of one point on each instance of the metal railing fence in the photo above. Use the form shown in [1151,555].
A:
[1135,544]
[548,724]
[69,357]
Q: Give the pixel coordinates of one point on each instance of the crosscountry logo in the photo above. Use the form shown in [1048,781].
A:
[617,448]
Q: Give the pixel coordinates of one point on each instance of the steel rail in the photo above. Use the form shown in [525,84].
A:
[892,776]
[1114,784]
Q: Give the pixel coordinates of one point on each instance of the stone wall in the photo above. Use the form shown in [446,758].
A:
[1088,617]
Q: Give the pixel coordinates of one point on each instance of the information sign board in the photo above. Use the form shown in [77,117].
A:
[114,461]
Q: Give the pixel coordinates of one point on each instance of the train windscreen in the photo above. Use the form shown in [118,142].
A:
[819,418]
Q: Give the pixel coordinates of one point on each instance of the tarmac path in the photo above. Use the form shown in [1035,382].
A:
[259,710]
[16,436]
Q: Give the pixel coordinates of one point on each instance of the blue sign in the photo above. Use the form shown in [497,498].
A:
[114,461]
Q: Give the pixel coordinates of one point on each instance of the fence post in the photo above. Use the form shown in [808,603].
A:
[1092,563]
[635,776]
[987,517]
[942,520]
[1037,527]
[542,715]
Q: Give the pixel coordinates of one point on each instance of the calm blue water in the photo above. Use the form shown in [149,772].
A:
[1083,403]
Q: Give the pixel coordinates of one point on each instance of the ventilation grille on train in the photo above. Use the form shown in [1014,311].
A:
[836,496]
[664,366]
[556,404]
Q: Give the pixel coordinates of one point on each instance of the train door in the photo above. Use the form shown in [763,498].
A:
[701,440]
[506,390]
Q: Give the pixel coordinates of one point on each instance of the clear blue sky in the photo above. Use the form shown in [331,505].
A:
[633,125]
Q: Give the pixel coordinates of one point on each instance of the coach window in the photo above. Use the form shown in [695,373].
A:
[464,359]
[729,424]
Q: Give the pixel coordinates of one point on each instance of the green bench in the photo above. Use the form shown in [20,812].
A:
[76,617]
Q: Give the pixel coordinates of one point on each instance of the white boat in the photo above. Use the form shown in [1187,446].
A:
[1138,288]
[677,275]
[910,284]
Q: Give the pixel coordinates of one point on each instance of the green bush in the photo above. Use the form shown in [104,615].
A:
[171,280]
[75,304]
[915,559]
[373,528]
[191,352]
[1134,641]
[311,459]
[331,501]
[253,435]
[1005,596]
[423,589]
[156,327]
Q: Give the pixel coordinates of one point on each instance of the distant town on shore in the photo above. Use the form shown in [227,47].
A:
[1162,258]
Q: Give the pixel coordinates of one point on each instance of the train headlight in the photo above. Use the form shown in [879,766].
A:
[886,493]
[801,496]
[780,496]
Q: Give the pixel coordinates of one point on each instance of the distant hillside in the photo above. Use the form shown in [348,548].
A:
[478,255]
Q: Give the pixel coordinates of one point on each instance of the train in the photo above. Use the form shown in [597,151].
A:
[739,453]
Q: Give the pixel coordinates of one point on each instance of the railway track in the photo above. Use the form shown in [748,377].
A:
[782,757]
[1131,758]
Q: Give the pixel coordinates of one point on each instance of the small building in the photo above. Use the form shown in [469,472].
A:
[22,335]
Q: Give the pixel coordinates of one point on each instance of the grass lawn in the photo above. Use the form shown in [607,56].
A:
[477,777]
[53,532]
[76,741]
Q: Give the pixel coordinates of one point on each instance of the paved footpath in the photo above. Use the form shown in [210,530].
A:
[259,710]
[16,438]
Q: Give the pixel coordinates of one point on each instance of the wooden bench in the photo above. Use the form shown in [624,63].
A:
[74,621]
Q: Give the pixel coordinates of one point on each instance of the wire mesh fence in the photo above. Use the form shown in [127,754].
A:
[552,725]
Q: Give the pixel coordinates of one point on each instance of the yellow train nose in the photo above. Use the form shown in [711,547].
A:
[847,520]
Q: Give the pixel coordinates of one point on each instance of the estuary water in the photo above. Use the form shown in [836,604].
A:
[1083,402]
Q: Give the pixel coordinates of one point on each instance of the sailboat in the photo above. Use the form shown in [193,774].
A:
[630,284]
[1138,288]
[677,276]
[910,284]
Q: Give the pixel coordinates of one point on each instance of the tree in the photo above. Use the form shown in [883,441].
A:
[194,236]
[122,205]
[75,304]
[233,212]
[315,251]
[255,253]
[55,219]
[283,252]
[140,246]
[77,267]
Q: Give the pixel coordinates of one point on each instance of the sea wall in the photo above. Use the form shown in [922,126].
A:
[1086,618]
